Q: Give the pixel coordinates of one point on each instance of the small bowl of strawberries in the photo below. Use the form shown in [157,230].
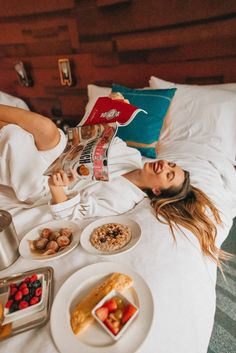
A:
[115,313]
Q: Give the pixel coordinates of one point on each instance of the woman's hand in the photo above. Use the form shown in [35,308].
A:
[118,96]
[61,178]
[56,183]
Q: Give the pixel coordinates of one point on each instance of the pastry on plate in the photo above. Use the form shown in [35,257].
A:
[81,316]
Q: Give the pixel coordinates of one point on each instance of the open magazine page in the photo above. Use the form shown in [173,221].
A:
[87,148]
[86,151]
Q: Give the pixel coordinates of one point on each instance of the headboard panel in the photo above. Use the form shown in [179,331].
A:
[107,41]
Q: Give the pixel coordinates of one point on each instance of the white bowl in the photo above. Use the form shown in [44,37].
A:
[110,295]
[16,315]
[88,230]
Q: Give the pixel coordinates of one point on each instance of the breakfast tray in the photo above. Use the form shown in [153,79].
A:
[35,318]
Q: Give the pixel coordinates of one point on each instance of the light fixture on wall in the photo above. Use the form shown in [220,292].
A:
[65,72]
[23,77]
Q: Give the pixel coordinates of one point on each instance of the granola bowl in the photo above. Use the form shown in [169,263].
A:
[110,236]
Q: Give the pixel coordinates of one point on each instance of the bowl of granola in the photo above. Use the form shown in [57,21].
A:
[110,236]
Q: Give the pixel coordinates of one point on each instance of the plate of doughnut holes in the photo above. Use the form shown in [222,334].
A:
[50,240]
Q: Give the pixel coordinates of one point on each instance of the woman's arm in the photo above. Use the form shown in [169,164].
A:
[45,132]
[57,182]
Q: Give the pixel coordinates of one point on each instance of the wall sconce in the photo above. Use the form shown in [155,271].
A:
[24,78]
[65,72]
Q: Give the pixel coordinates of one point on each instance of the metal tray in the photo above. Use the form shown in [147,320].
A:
[34,319]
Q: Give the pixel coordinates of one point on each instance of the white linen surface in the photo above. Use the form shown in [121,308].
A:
[203,115]
[182,281]
[8,99]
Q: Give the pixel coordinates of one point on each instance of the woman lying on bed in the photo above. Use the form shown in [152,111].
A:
[30,142]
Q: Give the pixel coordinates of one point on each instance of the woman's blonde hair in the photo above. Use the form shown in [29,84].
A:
[188,206]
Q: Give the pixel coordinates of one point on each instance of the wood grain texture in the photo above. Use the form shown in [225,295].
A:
[19,8]
[108,41]
[103,3]
[191,34]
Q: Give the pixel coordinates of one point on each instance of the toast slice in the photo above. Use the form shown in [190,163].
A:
[81,316]
[5,330]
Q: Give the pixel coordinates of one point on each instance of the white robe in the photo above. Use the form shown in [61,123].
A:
[22,183]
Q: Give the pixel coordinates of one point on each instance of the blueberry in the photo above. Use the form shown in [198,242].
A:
[27,297]
[14,307]
[37,283]
[31,292]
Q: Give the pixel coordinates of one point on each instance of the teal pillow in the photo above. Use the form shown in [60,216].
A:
[143,132]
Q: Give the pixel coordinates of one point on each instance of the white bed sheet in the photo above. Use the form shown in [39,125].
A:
[182,281]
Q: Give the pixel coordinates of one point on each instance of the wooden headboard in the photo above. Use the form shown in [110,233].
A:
[122,41]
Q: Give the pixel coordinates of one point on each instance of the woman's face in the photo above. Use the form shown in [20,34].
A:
[161,174]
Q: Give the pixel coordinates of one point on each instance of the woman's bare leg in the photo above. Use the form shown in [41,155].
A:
[45,132]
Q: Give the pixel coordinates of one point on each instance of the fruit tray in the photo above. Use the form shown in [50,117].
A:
[31,314]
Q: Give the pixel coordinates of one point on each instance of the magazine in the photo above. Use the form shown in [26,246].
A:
[107,110]
[88,144]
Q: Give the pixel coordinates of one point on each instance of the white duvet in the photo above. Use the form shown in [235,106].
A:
[181,279]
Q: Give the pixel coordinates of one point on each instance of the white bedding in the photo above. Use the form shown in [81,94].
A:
[182,281]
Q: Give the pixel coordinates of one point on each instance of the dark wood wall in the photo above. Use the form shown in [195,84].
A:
[122,41]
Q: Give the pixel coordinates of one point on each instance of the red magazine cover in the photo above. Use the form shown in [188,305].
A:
[88,144]
[107,110]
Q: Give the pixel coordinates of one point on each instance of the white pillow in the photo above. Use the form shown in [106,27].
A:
[156,82]
[201,115]
[94,92]
[7,99]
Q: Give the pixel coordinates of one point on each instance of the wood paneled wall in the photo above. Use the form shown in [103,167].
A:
[122,41]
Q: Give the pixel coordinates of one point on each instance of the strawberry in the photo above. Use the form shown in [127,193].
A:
[18,295]
[27,280]
[38,292]
[110,304]
[25,291]
[128,312]
[34,300]
[111,327]
[33,278]
[102,313]
[8,304]
[22,286]
[23,304]
[13,290]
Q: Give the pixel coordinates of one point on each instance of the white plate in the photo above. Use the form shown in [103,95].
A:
[24,248]
[135,235]
[94,339]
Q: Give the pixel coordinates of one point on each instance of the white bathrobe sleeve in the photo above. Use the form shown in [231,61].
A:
[22,165]
[99,200]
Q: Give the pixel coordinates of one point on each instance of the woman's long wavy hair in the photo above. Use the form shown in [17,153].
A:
[188,206]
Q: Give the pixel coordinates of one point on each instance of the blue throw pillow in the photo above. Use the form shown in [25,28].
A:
[143,132]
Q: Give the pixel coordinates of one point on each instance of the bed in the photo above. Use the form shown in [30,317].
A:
[199,134]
